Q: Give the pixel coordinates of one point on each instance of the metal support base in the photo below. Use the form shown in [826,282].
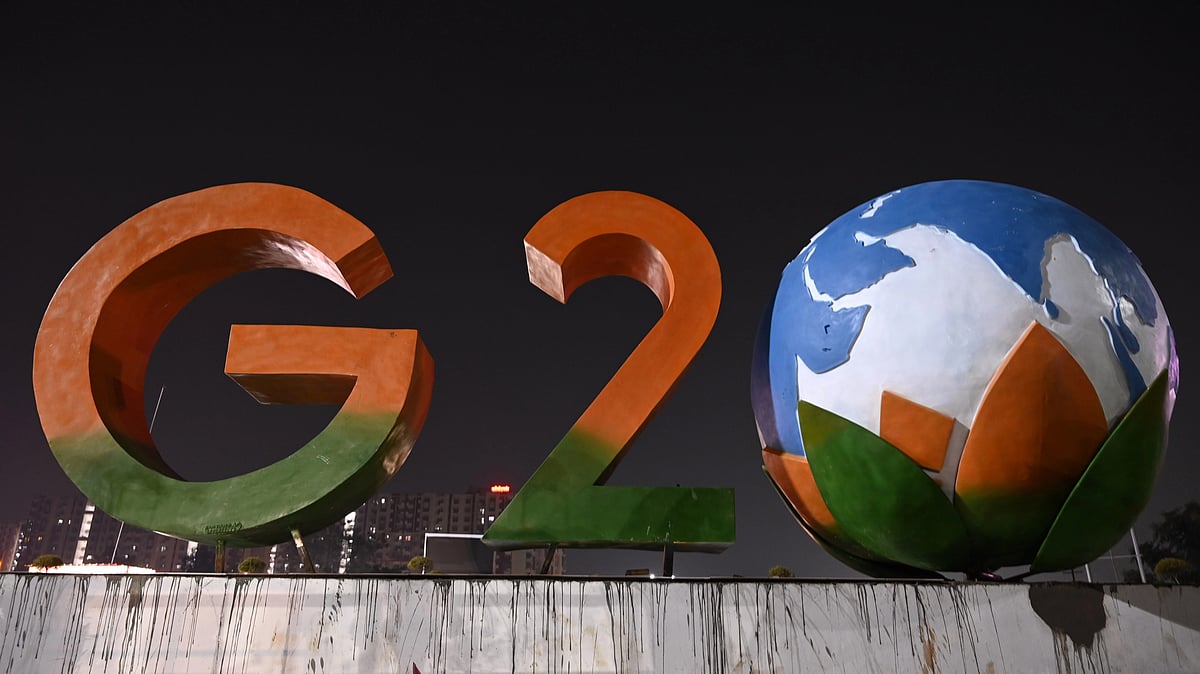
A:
[304,558]
[550,552]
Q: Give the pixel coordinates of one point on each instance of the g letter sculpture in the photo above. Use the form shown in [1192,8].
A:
[96,339]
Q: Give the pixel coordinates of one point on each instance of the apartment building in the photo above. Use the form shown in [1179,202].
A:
[381,536]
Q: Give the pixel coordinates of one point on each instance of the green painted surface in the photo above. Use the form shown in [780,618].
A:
[831,534]
[1006,527]
[1115,488]
[883,499]
[846,551]
[563,504]
[331,475]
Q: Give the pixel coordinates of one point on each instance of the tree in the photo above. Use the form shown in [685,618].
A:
[1175,535]
[46,562]
[252,565]
[780,571]
[420,564]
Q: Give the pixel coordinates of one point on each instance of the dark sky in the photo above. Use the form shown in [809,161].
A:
[449,132]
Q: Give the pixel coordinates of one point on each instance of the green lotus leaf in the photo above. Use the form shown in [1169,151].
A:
[1113,490]
[874,568]
[879,496]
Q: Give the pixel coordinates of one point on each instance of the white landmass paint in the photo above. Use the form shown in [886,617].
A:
[876,204]
[936,332]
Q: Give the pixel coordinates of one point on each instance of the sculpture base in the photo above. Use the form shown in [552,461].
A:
[202,623]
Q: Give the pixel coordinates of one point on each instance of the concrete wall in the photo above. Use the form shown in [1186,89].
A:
[181,623]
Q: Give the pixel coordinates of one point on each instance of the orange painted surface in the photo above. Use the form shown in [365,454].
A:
[918,431]
[367,371]
[96,337]
[370,370]
[628,234]
[1039,425]
[794,477]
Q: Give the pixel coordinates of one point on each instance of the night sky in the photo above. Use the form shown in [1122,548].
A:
[449,132]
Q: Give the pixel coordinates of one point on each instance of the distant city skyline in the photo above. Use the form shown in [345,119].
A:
[381,536]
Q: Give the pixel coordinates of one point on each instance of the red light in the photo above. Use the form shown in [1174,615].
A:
[501,489]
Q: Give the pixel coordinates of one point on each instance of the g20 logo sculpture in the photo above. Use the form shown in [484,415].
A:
[953,376]
[100,328]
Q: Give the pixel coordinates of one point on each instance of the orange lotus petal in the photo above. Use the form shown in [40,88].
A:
[920,432]
[1037,428]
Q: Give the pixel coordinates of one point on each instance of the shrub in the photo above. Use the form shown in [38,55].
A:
[252,565]
[420,564]
[780,571]
[47,561]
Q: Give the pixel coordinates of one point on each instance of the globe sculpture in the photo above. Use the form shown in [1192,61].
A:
[964,376]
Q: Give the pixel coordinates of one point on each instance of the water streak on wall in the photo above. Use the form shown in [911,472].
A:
[310,624]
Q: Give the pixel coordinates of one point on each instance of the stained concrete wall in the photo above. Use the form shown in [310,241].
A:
[181,623]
